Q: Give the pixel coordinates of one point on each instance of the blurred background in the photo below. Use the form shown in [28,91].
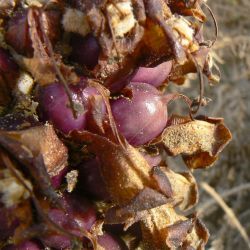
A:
[230,176]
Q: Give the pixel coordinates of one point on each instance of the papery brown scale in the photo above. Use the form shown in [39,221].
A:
[163,181]
[20,213]
[177,233]
[100,29]
[34,167]
[163,228]
[18,34]
[119,55]
[183,186]
[155,41]
[52,26]
[42,140]
[154,226]
[198,237]
[137,208]
[5,95]
[124,170]
[14,218]
[139,11]
[196,139]
[34,155]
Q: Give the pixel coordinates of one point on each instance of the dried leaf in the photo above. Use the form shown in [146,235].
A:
[184,189]
[125,171]
[198,237]
[40,140]
[199,141]
[163,228]
[177,233]
[163,181]
[133,211]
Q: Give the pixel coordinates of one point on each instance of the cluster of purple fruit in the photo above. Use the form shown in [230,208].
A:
[76,217]
[139,118]
[84,89]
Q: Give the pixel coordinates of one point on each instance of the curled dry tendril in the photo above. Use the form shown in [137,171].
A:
[215,25]
[201,84]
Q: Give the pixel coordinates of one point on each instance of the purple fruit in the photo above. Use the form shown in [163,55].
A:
[57,180]
[27,245]
[90,179]
[153,76]
[143,117]
[85,50]
[55,105]
[18,30]
[152,160]
[78,216]
[17,33]
[109,242]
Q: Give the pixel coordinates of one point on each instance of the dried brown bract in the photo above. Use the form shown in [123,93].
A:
[163,228]
[40,140]
[198,141]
